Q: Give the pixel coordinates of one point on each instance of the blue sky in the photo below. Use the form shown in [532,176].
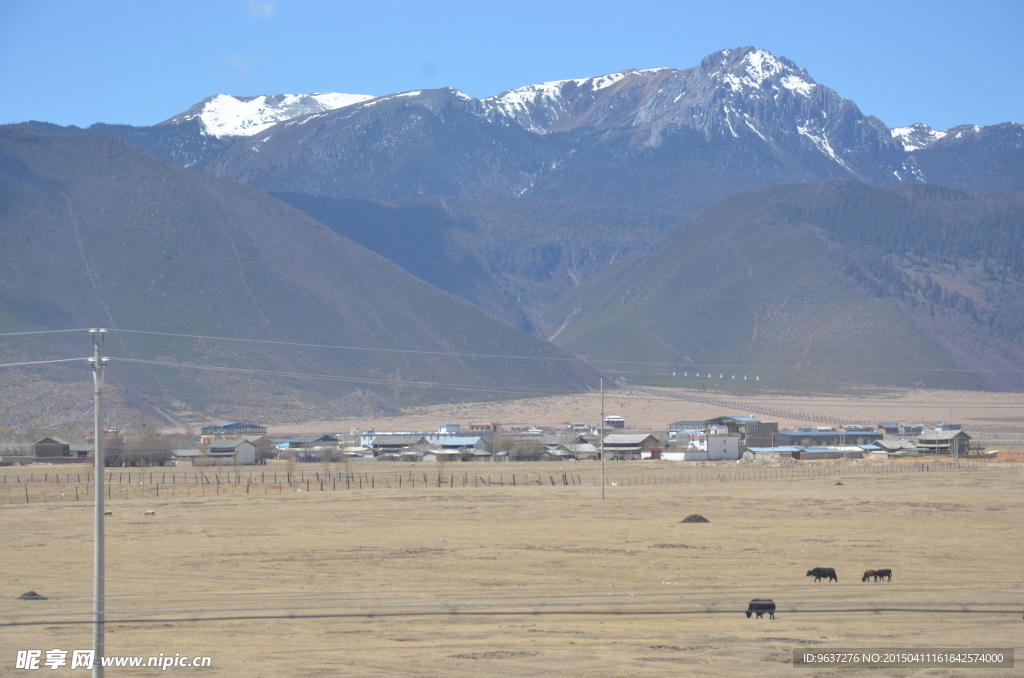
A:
[940,63]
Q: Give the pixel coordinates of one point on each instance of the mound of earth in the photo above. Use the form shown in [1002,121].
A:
[695,518]
[31,595]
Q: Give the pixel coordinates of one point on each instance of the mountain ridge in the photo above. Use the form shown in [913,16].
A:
[810,133]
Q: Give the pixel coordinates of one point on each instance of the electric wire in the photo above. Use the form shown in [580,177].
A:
[44,362]
[542,358]
[16,334]
[455,354]
[530,611]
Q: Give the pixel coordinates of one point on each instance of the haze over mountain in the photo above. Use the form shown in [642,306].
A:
[96,232]
[520,201]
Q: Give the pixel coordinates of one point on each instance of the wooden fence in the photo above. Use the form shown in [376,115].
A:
[140,484]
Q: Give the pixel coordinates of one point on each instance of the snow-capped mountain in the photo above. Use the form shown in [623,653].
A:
[682,138]
[717,93]
[732,93]
[224,115]
[741,119]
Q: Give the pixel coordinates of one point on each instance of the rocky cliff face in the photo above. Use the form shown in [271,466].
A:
[746,95]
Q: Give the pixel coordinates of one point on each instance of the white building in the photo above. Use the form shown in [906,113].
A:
[723,446]
[685,455]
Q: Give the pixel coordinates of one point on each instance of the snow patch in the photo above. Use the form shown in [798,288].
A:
[751,126]
[821,142]
[519,103]
[761,65]
[798,85]
[917,136]
[374,102]
[225,115]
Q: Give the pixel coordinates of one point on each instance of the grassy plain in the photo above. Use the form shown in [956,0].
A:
[532,579]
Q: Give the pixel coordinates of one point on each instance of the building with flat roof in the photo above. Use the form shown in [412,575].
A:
[826,438]
[232,429]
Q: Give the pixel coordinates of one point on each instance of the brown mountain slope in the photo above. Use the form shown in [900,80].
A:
[835,282]
[96,232]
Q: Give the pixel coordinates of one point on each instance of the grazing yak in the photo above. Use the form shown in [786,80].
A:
[868,574]
[820,573]
[759,607]
[883,574]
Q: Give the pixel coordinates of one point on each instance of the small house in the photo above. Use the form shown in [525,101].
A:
[952,443]
[398,444]
[770,452]
[462,442]
[57,451]
[723,446]
[239,452]
[614,421]
[628,445]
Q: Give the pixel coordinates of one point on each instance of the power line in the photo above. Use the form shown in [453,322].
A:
[16,334]
[528,611]
[42,362]
[552,358]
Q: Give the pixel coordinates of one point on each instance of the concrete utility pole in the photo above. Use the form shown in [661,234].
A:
[602,438]
[99,363]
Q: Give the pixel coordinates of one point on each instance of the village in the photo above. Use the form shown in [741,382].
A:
[723,438]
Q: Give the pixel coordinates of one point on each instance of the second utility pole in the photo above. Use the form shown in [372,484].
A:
[99,364]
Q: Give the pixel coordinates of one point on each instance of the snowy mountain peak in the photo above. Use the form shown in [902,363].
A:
[750,68]
[762,65]
[916,136]
[224,115]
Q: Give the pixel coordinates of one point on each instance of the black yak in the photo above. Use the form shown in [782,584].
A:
[820,573]
[759,607]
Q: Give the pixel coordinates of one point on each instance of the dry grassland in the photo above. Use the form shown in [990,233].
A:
[978,411]
[531,580]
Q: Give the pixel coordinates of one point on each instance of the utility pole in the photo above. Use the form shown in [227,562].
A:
[99,364]
[602,438]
